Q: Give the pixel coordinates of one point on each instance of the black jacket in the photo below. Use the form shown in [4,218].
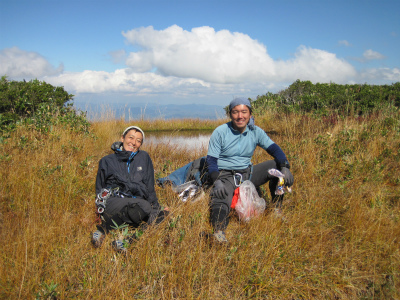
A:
[133,175]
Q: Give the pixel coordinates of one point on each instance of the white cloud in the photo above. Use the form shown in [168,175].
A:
[118,56]
[201,63]
[381,75]
[344,43]
[372,55]
[315,65]
[225,57]
[220,57]
[20,64]
[122,80]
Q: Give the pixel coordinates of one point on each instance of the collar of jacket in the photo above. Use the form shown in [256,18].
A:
[122,154]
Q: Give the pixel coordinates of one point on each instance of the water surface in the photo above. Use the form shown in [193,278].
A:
[191,140]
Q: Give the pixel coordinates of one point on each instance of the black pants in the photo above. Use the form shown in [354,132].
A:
[132,211]
[258,175]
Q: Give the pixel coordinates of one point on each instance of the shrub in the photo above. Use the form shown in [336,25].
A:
[37,103]
[328,98]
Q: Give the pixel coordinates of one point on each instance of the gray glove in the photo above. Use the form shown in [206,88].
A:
[219,189]
[289,179]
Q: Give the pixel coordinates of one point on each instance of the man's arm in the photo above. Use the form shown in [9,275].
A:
[212,164]
[282,163]
[214,149]
[276,152]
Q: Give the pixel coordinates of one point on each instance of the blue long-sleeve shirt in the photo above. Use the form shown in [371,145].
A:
[231,150]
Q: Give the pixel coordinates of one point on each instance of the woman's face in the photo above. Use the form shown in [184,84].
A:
[132,141]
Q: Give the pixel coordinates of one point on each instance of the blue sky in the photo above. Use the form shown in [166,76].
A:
[193,51]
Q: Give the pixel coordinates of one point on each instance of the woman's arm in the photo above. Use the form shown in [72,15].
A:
[150,184]
[101,177]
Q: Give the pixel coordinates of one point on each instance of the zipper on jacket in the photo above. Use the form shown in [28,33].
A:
[128,163]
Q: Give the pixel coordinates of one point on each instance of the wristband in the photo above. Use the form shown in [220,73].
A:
[284,164]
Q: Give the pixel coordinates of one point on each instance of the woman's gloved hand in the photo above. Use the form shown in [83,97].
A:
[289,179]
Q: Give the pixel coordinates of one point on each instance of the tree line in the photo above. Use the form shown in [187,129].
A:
[328,98]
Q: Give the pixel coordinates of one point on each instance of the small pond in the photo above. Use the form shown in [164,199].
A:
[193,140]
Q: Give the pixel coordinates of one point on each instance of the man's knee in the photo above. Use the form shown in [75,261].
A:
[224,203]
[260,173]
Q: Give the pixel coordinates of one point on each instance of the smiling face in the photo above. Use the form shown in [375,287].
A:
[132,140]
[240,116]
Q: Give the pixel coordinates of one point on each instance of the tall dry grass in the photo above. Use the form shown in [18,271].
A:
[341,239]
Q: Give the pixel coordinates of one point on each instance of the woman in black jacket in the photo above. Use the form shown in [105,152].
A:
[126,179]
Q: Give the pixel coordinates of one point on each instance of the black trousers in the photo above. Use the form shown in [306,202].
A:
[132,211]
[258,175]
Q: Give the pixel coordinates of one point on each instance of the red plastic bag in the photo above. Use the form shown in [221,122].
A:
[249,204]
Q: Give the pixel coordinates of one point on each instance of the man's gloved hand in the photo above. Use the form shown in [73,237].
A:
[219,189]
[289,179]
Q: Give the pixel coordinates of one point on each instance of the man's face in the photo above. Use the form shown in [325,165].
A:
[132,140]
[240,116]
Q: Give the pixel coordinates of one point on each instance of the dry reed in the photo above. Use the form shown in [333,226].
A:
[340,241]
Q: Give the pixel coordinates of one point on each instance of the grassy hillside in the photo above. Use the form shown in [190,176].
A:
[341,239]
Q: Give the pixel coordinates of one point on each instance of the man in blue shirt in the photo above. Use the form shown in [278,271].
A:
[230,150]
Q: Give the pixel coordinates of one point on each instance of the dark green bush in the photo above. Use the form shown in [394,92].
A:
[39,104]
[328,98]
